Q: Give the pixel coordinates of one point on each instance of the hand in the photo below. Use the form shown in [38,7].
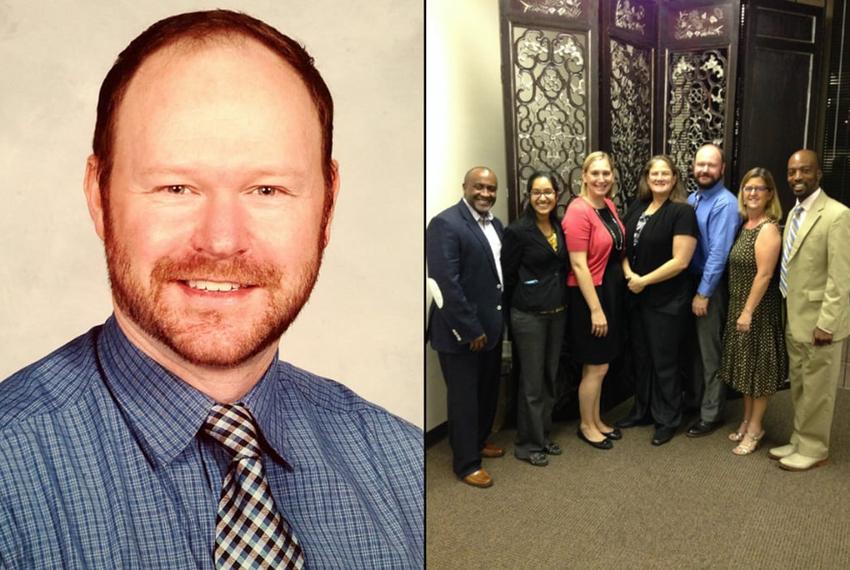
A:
[744,321]
[636,283]
[478,344]
[699,306]
[599,324]
[821,337]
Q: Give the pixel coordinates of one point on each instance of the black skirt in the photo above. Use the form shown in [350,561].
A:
[589,349]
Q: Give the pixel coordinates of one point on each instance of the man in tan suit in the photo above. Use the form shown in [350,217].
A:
[815,281]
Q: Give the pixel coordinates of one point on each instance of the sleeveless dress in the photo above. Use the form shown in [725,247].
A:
[754,363]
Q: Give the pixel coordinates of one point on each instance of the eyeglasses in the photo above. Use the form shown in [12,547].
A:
[751,189]
[538,193]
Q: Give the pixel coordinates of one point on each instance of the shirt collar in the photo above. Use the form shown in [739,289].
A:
[163,411]
[713,190]
[807,203]
[477,215]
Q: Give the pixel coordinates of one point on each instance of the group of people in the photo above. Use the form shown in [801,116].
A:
[761,306]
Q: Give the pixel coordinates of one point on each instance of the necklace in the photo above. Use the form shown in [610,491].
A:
[616,236]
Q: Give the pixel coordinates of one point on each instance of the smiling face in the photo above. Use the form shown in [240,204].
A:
[213,223]
[479,189]
[804,174]
[660,179]
[708,166]
[598,178]
[543,197]
[756,195]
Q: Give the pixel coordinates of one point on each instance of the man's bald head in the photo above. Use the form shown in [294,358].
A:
[479,189]
[804,173]
[476,170]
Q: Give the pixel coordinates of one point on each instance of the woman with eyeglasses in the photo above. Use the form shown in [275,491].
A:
[534,262]
[754,361]
[661,236]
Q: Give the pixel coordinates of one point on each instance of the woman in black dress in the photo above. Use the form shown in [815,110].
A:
[661,230]
[534,265]
[595,238]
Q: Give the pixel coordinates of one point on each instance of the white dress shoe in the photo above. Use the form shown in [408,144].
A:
[782,451]
[798,462]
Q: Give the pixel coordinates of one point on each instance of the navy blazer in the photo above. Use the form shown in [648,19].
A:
[461,263]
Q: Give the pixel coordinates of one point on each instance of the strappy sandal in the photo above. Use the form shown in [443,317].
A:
[749,444]
[739,435]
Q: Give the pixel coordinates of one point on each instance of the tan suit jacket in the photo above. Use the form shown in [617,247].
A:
[819,272]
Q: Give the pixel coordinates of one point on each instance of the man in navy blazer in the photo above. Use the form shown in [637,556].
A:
[463,244]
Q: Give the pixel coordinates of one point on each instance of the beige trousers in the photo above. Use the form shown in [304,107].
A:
[813,371]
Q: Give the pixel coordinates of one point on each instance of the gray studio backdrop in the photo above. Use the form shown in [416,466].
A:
[363,325]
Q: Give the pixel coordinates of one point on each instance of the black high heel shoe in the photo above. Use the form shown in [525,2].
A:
[604,444]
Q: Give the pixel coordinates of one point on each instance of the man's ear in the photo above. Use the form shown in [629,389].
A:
[332,197]
[94,200]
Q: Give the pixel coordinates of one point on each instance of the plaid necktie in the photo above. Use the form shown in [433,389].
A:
[249,532]
[786,250]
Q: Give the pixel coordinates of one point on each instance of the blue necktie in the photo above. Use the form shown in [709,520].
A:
[786,250]
[250,533]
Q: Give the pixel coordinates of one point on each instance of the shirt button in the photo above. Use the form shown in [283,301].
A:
[498,307]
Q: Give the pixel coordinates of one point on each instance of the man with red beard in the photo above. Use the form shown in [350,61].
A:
[172,436]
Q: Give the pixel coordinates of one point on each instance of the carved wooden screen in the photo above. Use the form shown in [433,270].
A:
[627,91]
[666,82]
[549,73]
[699,58]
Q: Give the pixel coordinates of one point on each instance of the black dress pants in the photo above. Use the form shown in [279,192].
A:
[656,335]
[472,383]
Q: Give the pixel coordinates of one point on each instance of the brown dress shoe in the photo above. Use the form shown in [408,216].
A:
[490,451]
[479,478]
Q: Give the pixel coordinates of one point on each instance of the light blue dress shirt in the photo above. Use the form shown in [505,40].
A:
[103,465]
[718,221]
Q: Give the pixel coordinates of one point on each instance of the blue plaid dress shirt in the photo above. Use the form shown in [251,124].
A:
[102,465]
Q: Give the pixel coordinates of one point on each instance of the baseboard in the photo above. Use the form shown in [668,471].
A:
[436,434]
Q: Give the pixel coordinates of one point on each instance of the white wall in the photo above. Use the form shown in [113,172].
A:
[465,125]
[363,324]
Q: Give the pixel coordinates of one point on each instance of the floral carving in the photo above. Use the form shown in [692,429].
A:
[696,112]
[630,16]
[550,104]
[631,113]
[699,24]
[563,8]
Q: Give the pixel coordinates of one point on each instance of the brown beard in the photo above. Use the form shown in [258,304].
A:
[148,309]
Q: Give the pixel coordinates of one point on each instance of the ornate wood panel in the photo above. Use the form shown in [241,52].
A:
[699,58]
[627,107]
[549,72]
[639,77]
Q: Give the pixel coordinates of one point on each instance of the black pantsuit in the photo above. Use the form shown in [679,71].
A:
[656,335]
[535,288]
[658,314]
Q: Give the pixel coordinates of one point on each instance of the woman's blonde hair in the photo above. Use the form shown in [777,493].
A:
[773,209]
[591,158]
[677,193]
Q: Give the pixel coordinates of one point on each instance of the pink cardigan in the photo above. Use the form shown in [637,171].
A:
[585,231]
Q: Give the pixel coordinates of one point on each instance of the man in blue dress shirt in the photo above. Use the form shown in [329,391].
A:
[718,221]
[212,185]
